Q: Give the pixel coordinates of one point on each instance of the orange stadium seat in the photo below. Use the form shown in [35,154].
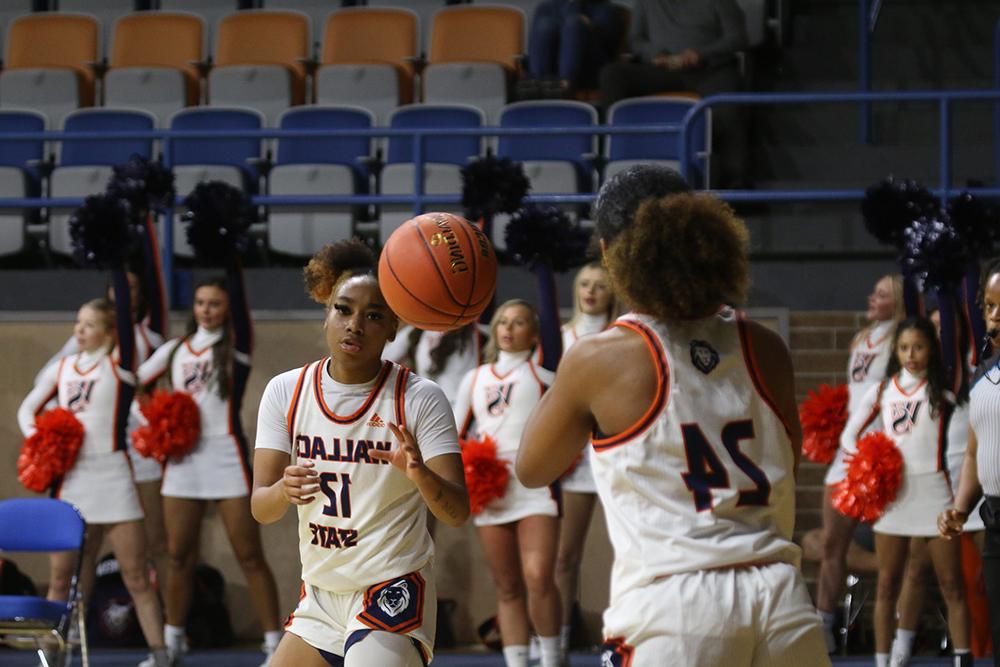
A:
[375,36]
[265,38]
[160,39]
[55,41]
[477,33]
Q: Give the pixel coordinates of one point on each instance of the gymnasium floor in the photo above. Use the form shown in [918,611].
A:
[250,658]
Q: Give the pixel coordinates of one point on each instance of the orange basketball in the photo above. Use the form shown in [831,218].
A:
[438,272]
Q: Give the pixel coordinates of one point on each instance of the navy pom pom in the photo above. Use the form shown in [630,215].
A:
[218,221]
[934,252]
[976,221]
[492,185]
[890,206]
[546,234]
[148,185]
[101,231]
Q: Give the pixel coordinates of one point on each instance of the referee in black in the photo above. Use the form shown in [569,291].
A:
[981,468]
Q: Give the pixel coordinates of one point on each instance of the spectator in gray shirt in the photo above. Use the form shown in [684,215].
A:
[688,45]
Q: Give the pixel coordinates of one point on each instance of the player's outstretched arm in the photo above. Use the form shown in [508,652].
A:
[561,423]
[441,480]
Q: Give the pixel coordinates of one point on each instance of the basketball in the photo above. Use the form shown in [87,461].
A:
[438,272]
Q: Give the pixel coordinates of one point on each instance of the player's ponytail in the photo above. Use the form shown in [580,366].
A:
[684,256]
[334,263]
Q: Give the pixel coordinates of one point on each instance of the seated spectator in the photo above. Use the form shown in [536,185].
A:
[688,45]
[570,41]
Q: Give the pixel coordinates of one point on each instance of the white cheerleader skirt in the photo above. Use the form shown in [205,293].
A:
[918,502]
[581,478]
[102,488]
[519,502]
[214,470]
[144,469]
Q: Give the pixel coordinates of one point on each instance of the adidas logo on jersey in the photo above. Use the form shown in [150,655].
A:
[376,422]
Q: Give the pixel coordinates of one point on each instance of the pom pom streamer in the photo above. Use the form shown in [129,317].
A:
[492,185]
[890,206]
[50,452]
[218,222]
[874,474]
[172,429]
[146,184]
[486,476]
[976,221]
[101,231]
[546,234]
[823,415]
[934,253]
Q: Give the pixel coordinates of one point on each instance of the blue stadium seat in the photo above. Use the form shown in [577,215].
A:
[231,152]
[347,151]
[576,149]
[17,177]
[623,150]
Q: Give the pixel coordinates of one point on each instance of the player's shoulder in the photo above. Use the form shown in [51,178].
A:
[417,386]
[284,383]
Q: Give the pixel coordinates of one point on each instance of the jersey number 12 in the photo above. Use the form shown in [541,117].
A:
[707,472]
[335,498]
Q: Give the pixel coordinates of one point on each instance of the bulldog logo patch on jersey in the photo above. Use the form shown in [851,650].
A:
[703,356]
[396,605]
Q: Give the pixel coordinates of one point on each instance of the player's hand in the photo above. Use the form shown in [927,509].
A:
[300,483]
[406,457]
[950,523]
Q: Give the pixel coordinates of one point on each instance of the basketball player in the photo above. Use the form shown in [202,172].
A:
[212,363]
[696,441]
[97,386]
[363,448]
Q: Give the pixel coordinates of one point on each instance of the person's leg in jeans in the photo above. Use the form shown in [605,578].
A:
[574,43]
[543,40]
[603,38]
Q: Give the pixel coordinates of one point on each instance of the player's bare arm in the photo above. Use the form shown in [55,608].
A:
[775,366]
[441,480]
[276,485]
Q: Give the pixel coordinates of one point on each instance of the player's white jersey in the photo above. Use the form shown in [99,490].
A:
[866,366]
[369,521]
[502,396]
[705,479]
[89,386]
[906,417]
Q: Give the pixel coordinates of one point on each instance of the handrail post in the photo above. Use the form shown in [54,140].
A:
[167,247]
[944,137]
[864,72]
[418,173]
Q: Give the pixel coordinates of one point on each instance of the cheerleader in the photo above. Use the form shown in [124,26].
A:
[97,386]
[912,405]
[594,307]
[519,531]
[869,355]
[326,436]
[212,363]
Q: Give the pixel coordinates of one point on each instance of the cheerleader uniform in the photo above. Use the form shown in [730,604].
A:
[699,497]
[501,396]
[457,365]
[866,367]
[903,412]
[367,557]
[581,479]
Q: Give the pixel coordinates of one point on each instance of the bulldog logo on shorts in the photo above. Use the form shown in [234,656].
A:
[616,653]
[703,356]
[396,605]
[394,598]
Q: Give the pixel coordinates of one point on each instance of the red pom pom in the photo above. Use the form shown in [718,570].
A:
[823,415]
[174,423]
[486,476]
[51,451]
[874,474]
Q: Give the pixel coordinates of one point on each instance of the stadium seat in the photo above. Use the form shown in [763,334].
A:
[624,150]
[84,166]
[258,61]
[42,525]
[316,10]
[443,156]
[482,85]
[209,10]
[526,6]
[17,177]
[477,33]
[152,64]
[105,11]
[424,10]
[195,161]
[360,45]
[317,166]
[46,63]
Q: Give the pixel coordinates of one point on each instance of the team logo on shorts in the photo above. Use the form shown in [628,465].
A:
[616,653]
[703,356]
[396,605]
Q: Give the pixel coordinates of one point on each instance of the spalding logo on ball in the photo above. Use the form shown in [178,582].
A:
[438,272]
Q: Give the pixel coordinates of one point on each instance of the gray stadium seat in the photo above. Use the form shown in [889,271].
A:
[12,184]
[483,85]
[371,86]
[303,230]
[53,92]
[159,90]
[265,88]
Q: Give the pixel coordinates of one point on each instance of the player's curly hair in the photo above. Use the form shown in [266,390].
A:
[620,196]
[334,263]
[682,257]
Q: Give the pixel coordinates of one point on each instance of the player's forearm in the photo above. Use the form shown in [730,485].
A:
[969,489]
[268,503]
[448,501]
